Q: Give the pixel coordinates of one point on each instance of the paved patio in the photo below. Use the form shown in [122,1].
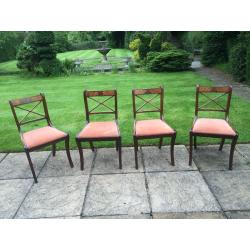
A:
[156,190]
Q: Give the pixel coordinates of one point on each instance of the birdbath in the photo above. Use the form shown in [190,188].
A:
[103,50]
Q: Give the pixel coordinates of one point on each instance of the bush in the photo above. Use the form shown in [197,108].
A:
[155,43]
[237,60]
[214,48]
[68,66]
[134,45]
[192,40]
[167,46]
[131,67]
[143,48]
[171,60]
[248,66]
[50,67]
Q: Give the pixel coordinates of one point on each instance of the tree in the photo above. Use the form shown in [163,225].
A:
[61,41]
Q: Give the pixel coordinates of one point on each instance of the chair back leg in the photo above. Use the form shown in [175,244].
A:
[78,143]
[136,150]
[172,149]
[54,149]
[160,142]
[68,152]
[221,144]
[119,144]
[190,148]
[234,141]
[92,146]
[31,165]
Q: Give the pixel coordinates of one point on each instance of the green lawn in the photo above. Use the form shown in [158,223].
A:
[94,56]
[65,103]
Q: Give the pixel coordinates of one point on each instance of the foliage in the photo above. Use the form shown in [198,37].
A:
[68,65]
[156,41]
[144,47]
[114,69]
[50,67]
[134,44]
[9,43]
[131,67]
[61,42]
[248,65]
[192,40]
[171,60]
[237,60]
[116,39]
[214,48]
[167,46]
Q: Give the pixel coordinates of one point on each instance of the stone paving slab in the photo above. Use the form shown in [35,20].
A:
[54,197]
[209,158]
[232,188]
[16,165]
[59,164]
[244,149]
[156,159]
[107,161]
[2,155]
[12,193]
[193,215]
[116,194]
[238,214]
[126,216]
[180,192]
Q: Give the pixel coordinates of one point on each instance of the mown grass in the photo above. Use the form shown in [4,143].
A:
[65,103]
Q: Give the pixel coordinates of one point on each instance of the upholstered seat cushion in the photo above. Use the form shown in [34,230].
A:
[42,136]
[152,127]
[105,129]
[213,126]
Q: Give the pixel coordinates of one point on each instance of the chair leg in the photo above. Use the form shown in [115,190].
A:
[92,146]
[53,149]
[119,145]
[116,145]
[190,148]
[221,144]
[81,154]
[172,149]
[160,142]
[136,150]
[68,152]
[31,166]
[232,152]
[195,142]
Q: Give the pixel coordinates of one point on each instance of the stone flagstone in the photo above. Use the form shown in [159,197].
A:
[59,164]
[138,216]
[16,165]
[232,188]
[116,194]
[180,192]
[244,149]
[238,214]
[12,193]
[55,197]
[107,161]
[156,159]
[2,155]
[210,158]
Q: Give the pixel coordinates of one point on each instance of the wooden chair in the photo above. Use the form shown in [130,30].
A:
[40,137]
[154,128]
[100,131]
[211,127]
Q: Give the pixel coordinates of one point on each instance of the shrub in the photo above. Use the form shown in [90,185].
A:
[131,67]
[214,48]
[192,40]
[143,48]
[155,43]
[134,45]
[171,60]
[167,46]
[68,66]
[237,60]
[248,66]
[51,67]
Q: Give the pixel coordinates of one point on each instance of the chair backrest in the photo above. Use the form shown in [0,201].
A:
[20,103]
[220,91]
[95,96]
[154,93]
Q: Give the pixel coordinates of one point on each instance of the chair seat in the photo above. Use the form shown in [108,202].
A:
[107,129]
[213,126]
[152,127]
[40,136]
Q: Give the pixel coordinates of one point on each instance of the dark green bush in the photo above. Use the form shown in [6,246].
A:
[237,61]
[143,48]
[214,48]
[51,67]
[248,66]
[155,43]
[171,60]
[68,66]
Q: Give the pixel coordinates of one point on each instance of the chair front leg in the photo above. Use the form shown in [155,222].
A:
[160,142]
[195,142]
[31,165]
[172,149]
[81,154]
[190,148]
[136,149]
[68,152]
[119,145]
[221,144]
[234,141]
[116,145]
[53,149]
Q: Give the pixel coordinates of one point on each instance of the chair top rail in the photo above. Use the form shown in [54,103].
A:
[26,100]
[222,89]
[88,93]
[147,91]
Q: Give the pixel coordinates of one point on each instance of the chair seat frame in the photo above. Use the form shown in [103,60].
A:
[153,91]
[118,140]
[14,104]
[193,135]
